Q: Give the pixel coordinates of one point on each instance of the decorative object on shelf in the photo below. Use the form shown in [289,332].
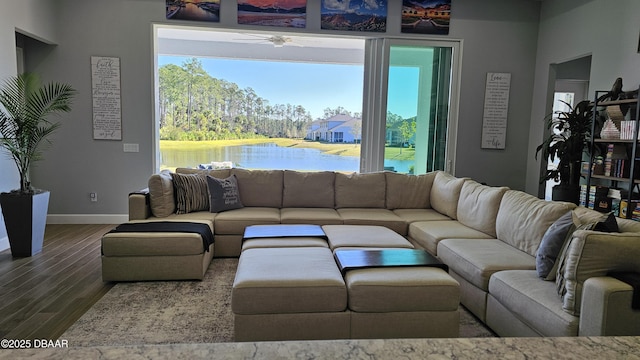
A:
[614,93]
[609,130]
[569,137]
[26,104]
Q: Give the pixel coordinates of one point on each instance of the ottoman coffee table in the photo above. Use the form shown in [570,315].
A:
[283,235]
[399,293]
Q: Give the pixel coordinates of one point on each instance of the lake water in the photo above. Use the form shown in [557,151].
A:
[269,156]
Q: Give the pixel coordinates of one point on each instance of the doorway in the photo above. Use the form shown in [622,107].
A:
[571,86]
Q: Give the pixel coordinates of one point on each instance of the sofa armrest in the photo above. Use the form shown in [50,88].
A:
[606,308]
[139,205]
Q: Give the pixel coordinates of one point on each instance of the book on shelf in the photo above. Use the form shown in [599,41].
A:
[615,163]
[628,129]
[630,209]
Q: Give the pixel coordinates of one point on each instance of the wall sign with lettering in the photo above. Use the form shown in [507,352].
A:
[105,82]
[496,108]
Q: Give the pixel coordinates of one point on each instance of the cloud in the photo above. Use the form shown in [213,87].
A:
[342,5]
[371,4]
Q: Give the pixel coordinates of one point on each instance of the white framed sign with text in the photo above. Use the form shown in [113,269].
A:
[496,108]
[105,87]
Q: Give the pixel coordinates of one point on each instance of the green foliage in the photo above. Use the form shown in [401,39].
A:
[24,126]
[196,106]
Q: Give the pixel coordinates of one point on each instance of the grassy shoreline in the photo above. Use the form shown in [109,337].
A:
[340,149]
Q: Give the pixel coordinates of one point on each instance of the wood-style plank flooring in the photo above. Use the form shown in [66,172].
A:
[41,296]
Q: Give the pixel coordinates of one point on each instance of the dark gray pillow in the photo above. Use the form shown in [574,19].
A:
[551,244]
[223,194]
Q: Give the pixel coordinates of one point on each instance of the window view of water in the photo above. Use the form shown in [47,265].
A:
[270,156]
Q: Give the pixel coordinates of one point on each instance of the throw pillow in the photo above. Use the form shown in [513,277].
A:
[191,192]
[570,260]
[551,244]
[161,198]
[223,194]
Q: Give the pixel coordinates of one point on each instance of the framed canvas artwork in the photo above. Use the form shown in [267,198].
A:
[282,13]
[196,10]
[426,16]
[370,15]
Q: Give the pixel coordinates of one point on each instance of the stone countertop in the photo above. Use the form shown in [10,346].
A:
[470,348]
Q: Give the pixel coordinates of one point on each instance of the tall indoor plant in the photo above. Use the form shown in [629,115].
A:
[25,105]
[569,137]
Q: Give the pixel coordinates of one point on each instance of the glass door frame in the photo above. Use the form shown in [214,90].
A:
[374,109]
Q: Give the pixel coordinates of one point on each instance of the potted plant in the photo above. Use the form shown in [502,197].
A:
[569,137]
[25,104]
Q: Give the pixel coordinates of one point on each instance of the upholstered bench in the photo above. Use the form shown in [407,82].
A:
[148,254]
[403,302]
[289,294]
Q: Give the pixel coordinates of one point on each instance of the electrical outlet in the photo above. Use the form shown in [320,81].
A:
[93,196]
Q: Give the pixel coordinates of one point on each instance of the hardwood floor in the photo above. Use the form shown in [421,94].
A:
[41,296]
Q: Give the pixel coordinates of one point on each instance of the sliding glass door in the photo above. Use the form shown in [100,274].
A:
[412,101]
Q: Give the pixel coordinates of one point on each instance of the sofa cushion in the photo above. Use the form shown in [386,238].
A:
[551,245]
[360,190]
[161,198]
[233,222]
[408,191]
[593,253]
[191,192]
[533,301]
[413,215]
[317,216]
[260,187]
[523,219]
[429,233]
[476,259]
[445,193]
[478,206]
[382,217]
[308,189]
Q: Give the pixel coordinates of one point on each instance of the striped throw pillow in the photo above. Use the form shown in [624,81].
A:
[191,192]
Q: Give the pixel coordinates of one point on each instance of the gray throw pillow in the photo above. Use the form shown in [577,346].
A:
[223,194]
[551,244]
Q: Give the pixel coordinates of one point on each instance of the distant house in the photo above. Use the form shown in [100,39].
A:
[337,129]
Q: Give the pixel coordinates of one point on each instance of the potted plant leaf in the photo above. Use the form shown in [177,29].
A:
[25,105]
[569,137]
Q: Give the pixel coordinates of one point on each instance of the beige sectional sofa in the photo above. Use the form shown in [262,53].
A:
[488,236]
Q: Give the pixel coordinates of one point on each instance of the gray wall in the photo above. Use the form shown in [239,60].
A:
[497,35]
[569,29]
[31,17]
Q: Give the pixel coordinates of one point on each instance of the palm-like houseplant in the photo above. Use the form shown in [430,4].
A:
[25,105]
[569,137]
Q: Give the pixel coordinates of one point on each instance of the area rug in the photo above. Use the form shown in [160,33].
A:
[166,312]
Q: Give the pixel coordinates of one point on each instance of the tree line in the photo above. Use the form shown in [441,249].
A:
[196,106]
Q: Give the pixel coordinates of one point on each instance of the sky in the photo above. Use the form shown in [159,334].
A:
[314,86]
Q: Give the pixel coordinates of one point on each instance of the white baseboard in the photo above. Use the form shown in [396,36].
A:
[4,243]
[86,219]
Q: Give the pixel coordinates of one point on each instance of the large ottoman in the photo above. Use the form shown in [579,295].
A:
[403,302]
[167,255]
[289,294]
